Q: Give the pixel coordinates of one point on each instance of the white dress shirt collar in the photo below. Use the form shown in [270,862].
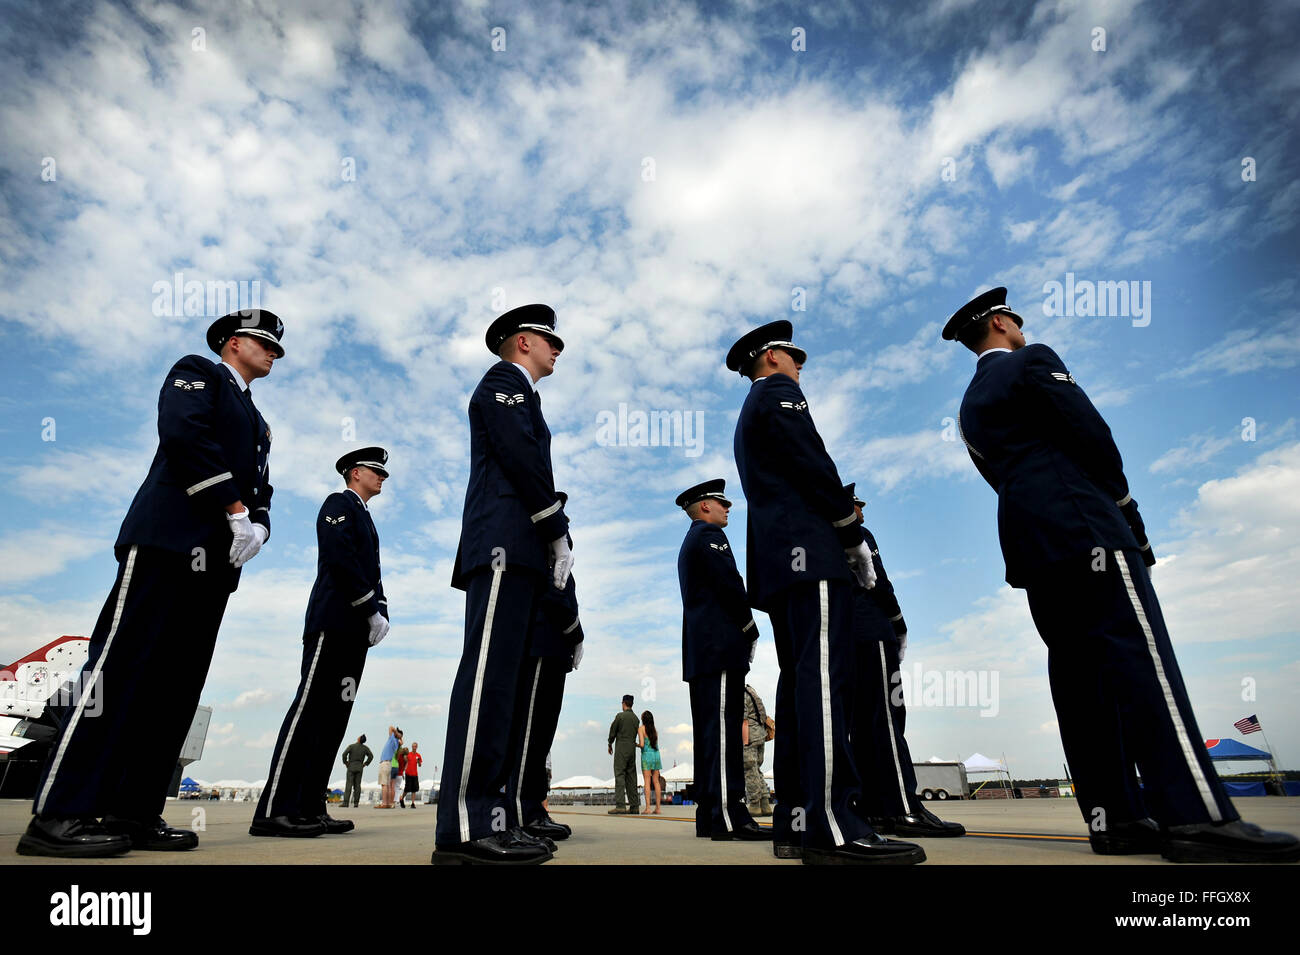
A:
[527,377]
[239,379]
[990,351]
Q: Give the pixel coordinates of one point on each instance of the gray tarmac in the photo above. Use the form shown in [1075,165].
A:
[1012,832]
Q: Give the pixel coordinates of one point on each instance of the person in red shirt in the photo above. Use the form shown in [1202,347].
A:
[412,769]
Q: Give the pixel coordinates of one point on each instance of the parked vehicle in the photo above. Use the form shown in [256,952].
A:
[941,781]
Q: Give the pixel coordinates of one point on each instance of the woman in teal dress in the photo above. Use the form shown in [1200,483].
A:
[647,740]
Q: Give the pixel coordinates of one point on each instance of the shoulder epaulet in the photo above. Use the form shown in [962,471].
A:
[191,373]
[785,393]
[335,509]
[503,383]
[718,537]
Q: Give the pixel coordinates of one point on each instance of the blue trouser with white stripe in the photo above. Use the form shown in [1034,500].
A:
[717,711]
[313,727]
[539,698]
[879,719]
[1120,699]
[483,720]
[148,658]
[816,780]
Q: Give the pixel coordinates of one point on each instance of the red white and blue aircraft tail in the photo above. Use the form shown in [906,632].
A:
[27,686]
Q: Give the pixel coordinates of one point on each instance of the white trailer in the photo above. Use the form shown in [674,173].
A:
[941,781]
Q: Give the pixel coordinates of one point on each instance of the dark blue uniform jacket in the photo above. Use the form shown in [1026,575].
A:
[557,629]
[213,450]
[511,508]
[1039,442]
[800,517]
[348,588]
[717,626]
[876,614]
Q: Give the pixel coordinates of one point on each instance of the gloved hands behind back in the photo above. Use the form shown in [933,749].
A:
[378,628]
[864,570]
[247,538]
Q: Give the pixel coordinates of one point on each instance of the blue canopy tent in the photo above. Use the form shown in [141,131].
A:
[1231,749]
[1226,749]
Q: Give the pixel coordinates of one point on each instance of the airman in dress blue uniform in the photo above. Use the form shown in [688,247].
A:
[513,543]
[347,614]
[718,635]
[554,650]
[202,512]
[1072,538]
[884,761]
[803,550]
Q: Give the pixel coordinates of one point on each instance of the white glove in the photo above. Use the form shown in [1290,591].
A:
[561,562]
[260,534]
[577,656]
[378,628]
[860,563]
[243,538]
[902,645]
[753,645]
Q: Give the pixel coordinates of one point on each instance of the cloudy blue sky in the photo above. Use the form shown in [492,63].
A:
[393,175]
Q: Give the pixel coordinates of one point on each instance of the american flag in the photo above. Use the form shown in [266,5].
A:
[1248,725]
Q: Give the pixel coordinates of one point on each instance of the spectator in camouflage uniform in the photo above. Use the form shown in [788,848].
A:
[754,736]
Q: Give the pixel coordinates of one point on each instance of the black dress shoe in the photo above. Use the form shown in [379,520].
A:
[749,832]
[548,828]
[335,826]
[787,850]
[1127,838]
[520,835]
[156,835]
[874,849]
[70,839]
[1235,841]
[922,822]
[500,848]
[292,826]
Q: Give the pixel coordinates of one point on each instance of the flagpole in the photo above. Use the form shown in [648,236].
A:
[1272,757]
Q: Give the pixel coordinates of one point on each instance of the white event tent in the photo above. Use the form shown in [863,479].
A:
[980,765]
